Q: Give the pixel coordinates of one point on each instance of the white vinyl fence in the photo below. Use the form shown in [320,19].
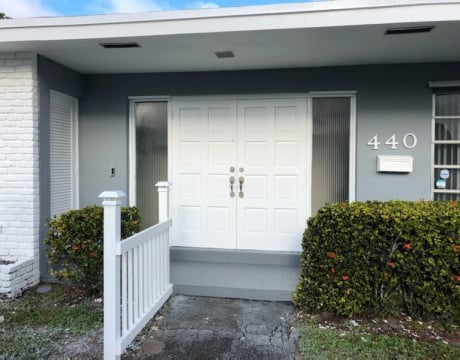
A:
[136,276]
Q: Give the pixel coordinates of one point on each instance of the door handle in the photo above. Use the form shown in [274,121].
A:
[232,181]
[241,181]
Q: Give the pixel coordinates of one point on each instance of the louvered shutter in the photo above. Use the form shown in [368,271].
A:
[63,110]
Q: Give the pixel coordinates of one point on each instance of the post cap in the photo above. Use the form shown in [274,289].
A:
[109,195]
[166,184]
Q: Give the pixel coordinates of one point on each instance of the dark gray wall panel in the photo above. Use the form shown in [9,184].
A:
[390,99]
[51,76]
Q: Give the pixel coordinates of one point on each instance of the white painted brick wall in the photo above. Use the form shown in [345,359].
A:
[14,278]
[19,183]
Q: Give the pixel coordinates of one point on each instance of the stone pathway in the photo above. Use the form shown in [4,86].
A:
[213,328]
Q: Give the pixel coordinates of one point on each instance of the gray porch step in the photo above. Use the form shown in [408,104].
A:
[254,275]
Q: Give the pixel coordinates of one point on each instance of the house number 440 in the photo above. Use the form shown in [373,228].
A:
[409,141]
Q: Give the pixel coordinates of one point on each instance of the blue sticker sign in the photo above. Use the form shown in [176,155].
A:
[444,174]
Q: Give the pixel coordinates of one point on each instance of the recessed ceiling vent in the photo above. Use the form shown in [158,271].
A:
[409,30]
[120,45]
[224,54]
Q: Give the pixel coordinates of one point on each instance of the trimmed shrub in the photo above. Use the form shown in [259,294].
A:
[74,245]
[382,258]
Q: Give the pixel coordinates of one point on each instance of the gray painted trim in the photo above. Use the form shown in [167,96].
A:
[444,84]
[180,254]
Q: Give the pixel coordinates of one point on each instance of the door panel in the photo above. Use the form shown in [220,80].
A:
[261,145]
[272,153]
[204,136]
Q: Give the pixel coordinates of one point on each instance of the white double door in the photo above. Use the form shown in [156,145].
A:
[239,173]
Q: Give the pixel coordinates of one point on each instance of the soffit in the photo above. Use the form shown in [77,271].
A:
[261,37]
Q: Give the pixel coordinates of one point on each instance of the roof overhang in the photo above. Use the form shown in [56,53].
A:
[325,33]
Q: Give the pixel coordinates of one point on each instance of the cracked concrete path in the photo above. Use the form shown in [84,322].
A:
[190,327]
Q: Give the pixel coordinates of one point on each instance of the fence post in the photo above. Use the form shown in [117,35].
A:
[163,200]
[112,201]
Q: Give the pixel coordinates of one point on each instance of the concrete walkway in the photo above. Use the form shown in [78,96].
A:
[190,327]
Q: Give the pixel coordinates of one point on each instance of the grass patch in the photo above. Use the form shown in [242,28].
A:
[36,325]
[317,343]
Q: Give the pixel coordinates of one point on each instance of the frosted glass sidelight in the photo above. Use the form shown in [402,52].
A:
[151,156]
[331,151]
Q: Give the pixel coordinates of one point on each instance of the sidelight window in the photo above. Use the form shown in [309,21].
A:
[331,151]
[150,139]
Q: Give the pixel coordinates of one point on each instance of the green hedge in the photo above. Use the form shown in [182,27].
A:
[382,258]
[74,245]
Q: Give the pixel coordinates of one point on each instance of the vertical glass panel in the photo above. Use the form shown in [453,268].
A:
[331,144]
[447,129]
[446,154]
[452,182]
[151,156]
[447,105]
[446,197]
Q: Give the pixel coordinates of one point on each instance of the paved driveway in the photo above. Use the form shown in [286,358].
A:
[190,327]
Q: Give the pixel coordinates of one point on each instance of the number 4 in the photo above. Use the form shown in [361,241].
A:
[392,141]
[374,142]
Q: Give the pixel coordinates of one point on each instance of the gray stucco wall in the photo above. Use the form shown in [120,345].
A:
[391,99]
[52,76]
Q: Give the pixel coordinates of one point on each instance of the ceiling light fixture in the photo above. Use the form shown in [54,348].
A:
[409,30]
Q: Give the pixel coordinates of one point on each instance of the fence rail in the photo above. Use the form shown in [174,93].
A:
[136,276]
[144,278]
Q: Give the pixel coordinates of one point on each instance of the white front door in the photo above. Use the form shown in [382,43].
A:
[204,150]
[239,173]
[272,161]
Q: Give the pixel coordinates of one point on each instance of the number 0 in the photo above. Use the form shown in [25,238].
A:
[409,141]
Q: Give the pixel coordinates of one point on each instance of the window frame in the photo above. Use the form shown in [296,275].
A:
[434,142]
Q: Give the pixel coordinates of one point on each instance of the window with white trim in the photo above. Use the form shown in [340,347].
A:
[446,145]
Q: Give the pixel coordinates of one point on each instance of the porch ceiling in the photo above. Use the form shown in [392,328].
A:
[327,33]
